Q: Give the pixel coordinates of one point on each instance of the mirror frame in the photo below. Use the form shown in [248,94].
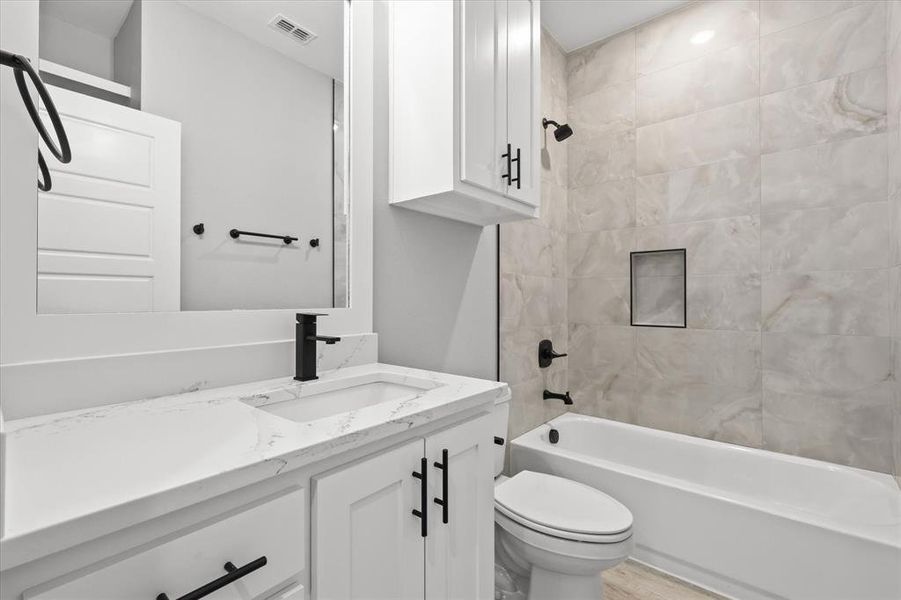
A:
[28,337]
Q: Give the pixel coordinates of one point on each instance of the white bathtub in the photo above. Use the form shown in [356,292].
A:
[745,523]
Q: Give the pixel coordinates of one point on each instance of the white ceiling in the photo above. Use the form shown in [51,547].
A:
[325,18]
[577,23]
[103,17]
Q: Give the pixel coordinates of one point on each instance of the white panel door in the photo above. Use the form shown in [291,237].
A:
[367,544]
[483,121]
[460,553]
[108,230]
[522,79]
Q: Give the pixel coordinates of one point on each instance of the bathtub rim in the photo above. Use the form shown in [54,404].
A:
[532,440]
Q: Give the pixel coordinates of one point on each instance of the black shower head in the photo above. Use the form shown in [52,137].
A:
[561,132]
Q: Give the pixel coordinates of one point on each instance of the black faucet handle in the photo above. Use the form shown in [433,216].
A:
[308,317]
[546,353]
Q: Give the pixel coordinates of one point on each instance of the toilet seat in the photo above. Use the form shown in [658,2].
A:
[562,508]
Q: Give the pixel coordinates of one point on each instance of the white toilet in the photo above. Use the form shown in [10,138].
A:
[558,533]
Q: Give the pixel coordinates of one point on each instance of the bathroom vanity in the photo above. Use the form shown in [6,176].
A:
[374,477]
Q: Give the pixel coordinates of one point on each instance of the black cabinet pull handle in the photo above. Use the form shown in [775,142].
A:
[509,156]
[518,169]
[423,513]
[498,440]
[234,574]
[442,501]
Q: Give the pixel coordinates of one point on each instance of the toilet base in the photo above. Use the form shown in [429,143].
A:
[547,585]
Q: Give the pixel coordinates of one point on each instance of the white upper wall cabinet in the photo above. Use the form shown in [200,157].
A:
[464,108]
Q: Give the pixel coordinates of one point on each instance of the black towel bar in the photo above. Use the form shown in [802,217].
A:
[236,233]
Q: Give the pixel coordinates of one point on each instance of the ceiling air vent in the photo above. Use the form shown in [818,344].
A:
[291,29]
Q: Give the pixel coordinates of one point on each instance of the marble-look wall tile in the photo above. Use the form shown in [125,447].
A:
[893,72]
[836,302]
[728,302]
[600,253]
[602,206]
[729,188]
[729,359]
[554,206]
[826,239]
[601,64]
[719,134]
[828,397]
[529,249]
[776,15]
[599,158]
[602,370]
[845,107]
[658,301]
[530,301]
[608,110]
[598,301]
[701,84]
[845,172]
[826,365]
[853,430]
[721,246]
[708,411]
[844,42]
[667,41]
[703,383]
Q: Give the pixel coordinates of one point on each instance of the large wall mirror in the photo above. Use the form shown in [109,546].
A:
[209,150]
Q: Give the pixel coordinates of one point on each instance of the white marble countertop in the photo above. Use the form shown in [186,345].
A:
[75,476]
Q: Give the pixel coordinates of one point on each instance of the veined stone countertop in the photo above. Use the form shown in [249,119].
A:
[74,476]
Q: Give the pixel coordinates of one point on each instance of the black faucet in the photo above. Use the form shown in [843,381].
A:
[305,346]
[554,396]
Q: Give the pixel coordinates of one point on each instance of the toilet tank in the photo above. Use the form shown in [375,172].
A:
[501,419]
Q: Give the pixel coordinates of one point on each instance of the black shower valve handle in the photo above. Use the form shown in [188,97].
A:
[546,353]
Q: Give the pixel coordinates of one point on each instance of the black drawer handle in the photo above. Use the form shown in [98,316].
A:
[518,170]
[509,156]
[498,440]
[234,574]
[442,501]
[423,513]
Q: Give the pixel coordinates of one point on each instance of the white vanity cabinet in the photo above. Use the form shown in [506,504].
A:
[369,543]
[464,120]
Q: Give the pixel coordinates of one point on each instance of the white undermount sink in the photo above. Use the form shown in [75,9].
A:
[327,397]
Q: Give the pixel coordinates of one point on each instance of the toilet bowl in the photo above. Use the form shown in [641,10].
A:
[555,533]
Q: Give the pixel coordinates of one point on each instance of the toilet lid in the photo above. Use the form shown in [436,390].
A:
[562,504]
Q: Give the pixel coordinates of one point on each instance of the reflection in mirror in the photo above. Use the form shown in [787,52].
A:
[195,126]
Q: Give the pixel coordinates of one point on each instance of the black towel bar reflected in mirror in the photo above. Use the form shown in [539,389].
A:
[236,233]
[62,152]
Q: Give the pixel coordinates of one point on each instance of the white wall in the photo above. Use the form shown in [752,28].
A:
[435,280]
[269,170]
[75,47]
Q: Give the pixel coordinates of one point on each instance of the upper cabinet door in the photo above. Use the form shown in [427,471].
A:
[483,118]
[460,552]
[366,541]
[523,119]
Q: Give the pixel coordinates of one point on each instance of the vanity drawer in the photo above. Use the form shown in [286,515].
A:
[274,529]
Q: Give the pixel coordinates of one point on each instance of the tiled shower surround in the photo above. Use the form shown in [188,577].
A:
[771,152]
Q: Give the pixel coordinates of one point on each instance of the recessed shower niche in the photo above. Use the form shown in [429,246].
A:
[657,296]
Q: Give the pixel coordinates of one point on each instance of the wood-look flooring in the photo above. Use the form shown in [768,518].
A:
[635,581]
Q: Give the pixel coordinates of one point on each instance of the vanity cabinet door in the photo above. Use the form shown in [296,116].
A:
[367,544]
[460,550]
